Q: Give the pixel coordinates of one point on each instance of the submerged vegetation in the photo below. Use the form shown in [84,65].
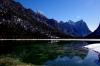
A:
[37,53]
[8,61]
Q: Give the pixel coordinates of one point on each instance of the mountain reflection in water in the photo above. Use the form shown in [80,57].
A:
[50,53]
[90,60]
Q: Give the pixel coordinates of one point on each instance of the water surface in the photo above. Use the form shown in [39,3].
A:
[51,53]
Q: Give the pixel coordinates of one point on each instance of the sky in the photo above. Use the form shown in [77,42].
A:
[64,10]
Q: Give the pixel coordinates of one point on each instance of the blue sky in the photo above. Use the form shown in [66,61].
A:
[88,10]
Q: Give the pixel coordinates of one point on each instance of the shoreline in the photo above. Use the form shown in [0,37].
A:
[49,39]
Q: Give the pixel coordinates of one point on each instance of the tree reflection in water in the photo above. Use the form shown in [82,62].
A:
[44,52]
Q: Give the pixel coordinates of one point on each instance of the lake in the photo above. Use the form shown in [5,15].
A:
[48,53]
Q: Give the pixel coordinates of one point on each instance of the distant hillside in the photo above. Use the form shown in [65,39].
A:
[19,22]
[76,29]
[95,34]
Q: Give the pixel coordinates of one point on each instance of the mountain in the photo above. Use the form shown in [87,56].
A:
[19,22]
[82,28]
[95,34]
[76,29]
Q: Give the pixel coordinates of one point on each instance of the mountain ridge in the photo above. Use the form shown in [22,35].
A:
[95,34]
[26,23]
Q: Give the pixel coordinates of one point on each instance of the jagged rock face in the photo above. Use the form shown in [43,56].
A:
[19,22]
[78,29]
[82,28]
